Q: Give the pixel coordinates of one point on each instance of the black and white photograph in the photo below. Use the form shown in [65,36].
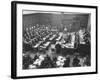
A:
[53,39]
[56,39]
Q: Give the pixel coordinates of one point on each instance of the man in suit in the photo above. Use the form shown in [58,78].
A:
[58,48]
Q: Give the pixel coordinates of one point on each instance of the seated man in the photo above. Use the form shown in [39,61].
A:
[81,34]
[58,48]
[71,41]
[76,61]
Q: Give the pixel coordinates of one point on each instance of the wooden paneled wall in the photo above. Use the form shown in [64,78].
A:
[72,21]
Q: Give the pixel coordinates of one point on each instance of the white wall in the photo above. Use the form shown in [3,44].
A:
[5,39]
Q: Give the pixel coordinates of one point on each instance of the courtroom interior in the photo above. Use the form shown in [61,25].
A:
[56,39]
